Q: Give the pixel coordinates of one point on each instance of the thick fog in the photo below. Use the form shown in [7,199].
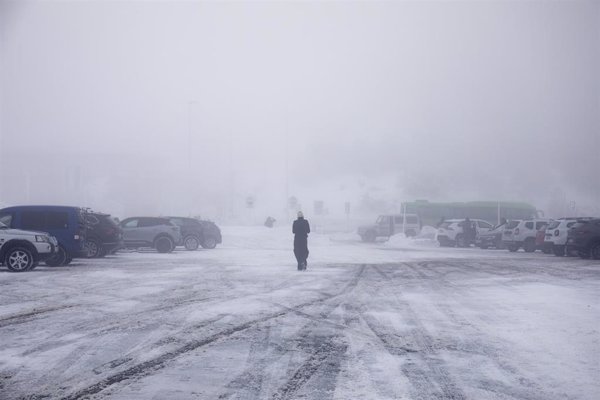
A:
[192,108]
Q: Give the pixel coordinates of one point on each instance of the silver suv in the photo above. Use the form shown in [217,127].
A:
[522,233]
[158,233]
[23,250]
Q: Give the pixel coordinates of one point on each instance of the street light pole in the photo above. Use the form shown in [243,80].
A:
[189,144]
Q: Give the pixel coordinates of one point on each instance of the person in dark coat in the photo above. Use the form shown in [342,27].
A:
[301,229]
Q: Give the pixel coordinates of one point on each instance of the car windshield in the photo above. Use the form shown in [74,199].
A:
[512,224]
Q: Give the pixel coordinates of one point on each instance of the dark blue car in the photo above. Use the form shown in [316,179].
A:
[66,224]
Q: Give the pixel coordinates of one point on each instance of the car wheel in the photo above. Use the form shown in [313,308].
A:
[529,246]
[595,251]
[164,244]
[57,259]
[547,250]
[19,259]
[559,251]
[209,242]
[92,248]
[68,260]
[370,236]
[191,242]
[585,254]
[513,248]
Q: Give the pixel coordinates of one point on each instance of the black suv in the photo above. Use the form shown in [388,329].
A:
[196,232]
[584,237]
[103,235]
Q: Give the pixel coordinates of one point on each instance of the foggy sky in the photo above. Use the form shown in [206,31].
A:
[103,103]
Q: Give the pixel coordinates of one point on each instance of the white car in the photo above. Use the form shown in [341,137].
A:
[450,232]
[522,233]
[556,234]
[23,250]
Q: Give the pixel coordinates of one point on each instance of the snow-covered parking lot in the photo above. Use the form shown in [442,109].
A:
[396,320]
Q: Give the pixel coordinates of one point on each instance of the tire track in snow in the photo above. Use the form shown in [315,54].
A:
[320,348]
[474,343]
[150,366]
[22,318]
[427,373]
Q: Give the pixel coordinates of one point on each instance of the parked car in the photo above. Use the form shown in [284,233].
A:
[22,250]
[66,224]
[584,238]
[557,233]
[522,234]
[450,232]
[158,233]
[197,233]
[389,225]
[103,235]
[491,238]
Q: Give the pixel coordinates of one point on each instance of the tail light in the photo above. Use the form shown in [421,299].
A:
[556,232]
[517,231]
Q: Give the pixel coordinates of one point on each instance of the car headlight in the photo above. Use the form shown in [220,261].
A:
[42,238]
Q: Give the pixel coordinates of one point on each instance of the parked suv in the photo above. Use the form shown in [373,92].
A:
[103,235]
[389,225]
[197,233]
[66,224]
[450,232]
[557,232]
[158,233]
[584,238]
[23,250]
[522,233]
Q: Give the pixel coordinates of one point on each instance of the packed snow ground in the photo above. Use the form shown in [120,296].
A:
[402,319]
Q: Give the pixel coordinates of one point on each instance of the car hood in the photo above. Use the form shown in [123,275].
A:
[20,232]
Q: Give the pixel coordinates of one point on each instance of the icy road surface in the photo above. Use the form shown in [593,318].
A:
[396,320]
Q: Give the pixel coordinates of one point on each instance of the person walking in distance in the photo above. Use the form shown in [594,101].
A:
[301,229]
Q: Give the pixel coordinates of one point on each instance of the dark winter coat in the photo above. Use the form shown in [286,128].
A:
[301,229]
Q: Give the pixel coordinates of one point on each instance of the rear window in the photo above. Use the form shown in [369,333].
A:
[554,225]
[512,224]
[579,224]
[540,225]
[529,225]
